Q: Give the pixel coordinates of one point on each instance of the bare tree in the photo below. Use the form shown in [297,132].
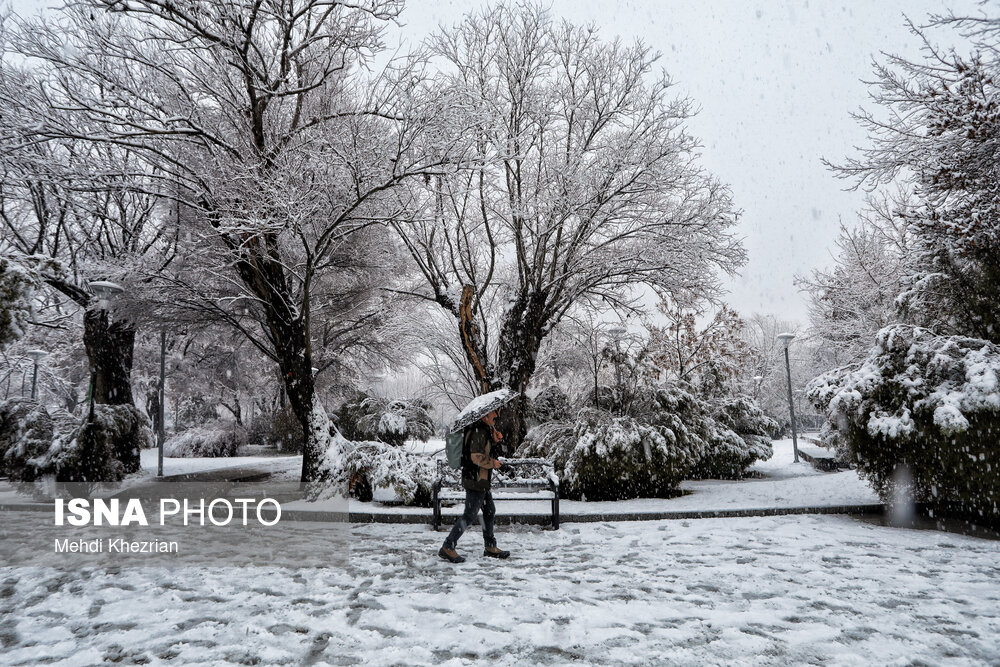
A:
[259,120]
[579,183]
[70,211]
[850,302]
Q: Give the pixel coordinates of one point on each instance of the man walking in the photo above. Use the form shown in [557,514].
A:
[480,438]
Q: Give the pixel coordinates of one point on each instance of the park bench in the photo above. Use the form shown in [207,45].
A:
[532,479]
[820,457]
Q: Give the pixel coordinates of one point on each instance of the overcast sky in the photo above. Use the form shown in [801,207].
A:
[776,82]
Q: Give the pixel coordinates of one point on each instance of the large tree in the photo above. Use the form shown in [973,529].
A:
[936,131]
[579,183]
[260,119]
[69,209]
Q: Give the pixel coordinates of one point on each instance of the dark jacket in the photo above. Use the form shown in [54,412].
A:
[477,462]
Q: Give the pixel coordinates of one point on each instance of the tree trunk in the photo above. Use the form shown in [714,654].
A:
[473,343]
[295,362]
[262,271]
[520,339]
[109,346]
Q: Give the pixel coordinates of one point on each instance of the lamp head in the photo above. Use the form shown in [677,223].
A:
[104,289]
[786,338]
[37,355]
[616,332]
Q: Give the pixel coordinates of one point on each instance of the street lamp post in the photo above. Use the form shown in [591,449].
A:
[36,356]
[785,339]
[161,432]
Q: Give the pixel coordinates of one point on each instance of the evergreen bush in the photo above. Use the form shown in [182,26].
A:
[928,403]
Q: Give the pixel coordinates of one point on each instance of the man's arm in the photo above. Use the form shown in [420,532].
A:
[484,461]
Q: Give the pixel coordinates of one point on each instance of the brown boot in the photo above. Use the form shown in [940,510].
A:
[450,555]
[494,552]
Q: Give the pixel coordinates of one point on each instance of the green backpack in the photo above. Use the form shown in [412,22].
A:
[453,448]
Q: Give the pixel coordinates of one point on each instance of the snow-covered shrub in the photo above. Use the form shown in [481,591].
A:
[604,457]
[36,443]
[620,457]
[378,465]
[27,432]
[106,448]
[215,439]
[670,435]
[389,421]
[929,402]
[549,405]
[280,429]
[608,398]
[739,436]
[15,301]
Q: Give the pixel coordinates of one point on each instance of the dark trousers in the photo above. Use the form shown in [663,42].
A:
[474,500]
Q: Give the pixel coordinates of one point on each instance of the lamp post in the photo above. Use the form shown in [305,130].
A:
[161,432]
[36,356]
[785,339]
[104,291]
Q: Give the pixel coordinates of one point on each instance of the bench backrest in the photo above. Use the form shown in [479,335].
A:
[527,474]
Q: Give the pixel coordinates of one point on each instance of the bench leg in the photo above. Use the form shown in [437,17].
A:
[555,509]
[436,519]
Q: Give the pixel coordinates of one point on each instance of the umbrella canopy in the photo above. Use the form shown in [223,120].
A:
[481,406]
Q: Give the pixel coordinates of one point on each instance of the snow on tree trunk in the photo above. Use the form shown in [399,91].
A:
[473,343]
[109,346]
[520,339]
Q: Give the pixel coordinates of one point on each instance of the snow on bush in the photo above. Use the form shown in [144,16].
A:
[670,435]
[622,458]
[929,402]
[384,466]
[605,457]
[215,439]
[550,404]
[15,300]
[364,466]
[390,421]
[739,436]
[104,449]
[27,432]
[35,443]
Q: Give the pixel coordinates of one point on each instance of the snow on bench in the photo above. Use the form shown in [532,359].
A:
[820,457]
[532,479]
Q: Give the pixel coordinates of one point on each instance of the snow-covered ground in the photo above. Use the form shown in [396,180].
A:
[771,590]
[184,466]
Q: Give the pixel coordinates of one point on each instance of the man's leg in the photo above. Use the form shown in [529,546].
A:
[489,512]
[473,500]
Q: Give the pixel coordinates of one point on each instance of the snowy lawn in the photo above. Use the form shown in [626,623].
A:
[185,466]
[772,590]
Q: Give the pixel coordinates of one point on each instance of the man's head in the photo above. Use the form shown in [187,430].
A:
[490,419]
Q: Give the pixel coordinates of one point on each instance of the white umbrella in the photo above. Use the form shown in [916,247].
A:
[481,406]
